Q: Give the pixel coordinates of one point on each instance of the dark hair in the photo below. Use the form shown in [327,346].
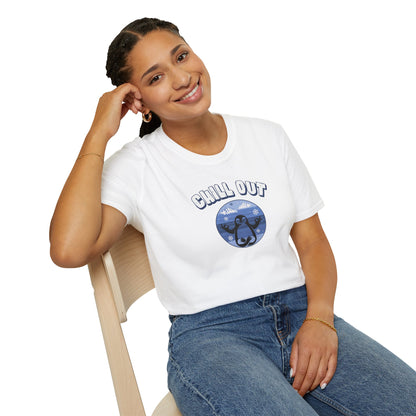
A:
[117,68]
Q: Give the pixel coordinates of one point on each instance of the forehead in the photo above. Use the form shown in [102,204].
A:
[152,49]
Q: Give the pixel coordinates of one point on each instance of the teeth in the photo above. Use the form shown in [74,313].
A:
[190,94]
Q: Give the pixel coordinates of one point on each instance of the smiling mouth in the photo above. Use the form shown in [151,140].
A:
[190,94]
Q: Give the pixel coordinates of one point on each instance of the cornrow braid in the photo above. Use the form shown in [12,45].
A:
[117,68]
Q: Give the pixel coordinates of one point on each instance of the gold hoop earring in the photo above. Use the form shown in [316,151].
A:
[147,117]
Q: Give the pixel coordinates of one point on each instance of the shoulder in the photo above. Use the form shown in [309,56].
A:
[128,161]
[132,152]
[255,124]
[257,129]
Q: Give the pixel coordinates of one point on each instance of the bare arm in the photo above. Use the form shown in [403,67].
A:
[318,264]
[314,351]
[81,226]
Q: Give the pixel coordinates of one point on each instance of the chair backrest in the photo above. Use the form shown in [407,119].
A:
[128,270]
[119,277]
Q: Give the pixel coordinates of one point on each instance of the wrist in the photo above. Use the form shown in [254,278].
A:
[94,142]
[324,312]
[320,321]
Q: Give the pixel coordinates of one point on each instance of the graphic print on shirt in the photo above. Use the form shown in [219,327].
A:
[241,223]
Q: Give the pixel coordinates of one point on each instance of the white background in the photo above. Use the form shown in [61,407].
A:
[339,76]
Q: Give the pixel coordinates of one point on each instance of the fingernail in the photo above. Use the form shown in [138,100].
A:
[291,373]
[323,386]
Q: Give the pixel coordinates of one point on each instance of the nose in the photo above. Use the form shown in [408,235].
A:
[180,79]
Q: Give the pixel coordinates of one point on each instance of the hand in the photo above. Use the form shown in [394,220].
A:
[113,106]
[314,356]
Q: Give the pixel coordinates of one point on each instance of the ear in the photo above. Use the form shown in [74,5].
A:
[144,109]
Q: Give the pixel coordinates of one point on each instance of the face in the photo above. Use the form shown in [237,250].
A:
[172,80]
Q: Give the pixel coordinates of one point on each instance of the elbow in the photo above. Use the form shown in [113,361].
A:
[67,258]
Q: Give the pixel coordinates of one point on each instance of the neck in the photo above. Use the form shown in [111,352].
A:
[205,135]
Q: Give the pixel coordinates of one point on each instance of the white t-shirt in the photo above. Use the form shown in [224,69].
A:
[216,227]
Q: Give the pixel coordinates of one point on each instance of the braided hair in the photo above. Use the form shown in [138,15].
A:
[117,68]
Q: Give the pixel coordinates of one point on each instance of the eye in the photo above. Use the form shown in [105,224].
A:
[182,56]
[155,78]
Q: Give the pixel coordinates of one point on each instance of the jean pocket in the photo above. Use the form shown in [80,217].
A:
[173,318]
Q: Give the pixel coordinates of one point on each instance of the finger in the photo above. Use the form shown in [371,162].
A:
[301,371]
[128,99]
[293,359]
[132,90]
[332,366]
[138,104]
[131,106]
[127,88]
[124,110]
[320,374]
[133,103]
[310,375]
[126,93]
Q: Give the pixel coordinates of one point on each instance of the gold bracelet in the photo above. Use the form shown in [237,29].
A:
[322,321]
[94,154]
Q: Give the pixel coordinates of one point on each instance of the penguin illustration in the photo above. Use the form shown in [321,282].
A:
[243,231]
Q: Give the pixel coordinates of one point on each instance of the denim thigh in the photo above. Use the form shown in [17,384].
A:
[234,360]
[369,380]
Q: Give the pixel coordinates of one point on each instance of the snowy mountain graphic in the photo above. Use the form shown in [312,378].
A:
[245,205]
[228,211]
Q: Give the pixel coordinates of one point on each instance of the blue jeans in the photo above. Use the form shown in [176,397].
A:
[233,360]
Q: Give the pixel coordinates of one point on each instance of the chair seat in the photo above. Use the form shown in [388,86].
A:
[167,407]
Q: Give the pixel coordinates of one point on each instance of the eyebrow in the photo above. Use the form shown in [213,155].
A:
[153,67]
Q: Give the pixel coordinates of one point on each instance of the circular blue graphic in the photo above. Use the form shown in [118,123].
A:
[241,223]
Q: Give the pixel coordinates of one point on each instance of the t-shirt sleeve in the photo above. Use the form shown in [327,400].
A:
[120,183]
[306,197]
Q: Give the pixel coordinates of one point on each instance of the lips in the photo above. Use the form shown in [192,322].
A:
[193,95]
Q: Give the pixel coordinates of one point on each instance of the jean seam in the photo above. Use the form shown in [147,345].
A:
[192,387]
[275,324]
[286,318]
[332,403]
[281,335]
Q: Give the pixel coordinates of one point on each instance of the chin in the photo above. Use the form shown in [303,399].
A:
[187,112]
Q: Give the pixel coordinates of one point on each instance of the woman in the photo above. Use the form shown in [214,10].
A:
[217,197]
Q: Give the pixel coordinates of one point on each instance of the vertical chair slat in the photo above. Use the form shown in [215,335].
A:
[124,380]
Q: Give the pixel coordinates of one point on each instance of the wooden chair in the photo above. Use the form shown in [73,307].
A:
[119,277]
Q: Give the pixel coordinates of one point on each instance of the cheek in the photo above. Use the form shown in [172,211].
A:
[202,66]
[204,71]
[155,97]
